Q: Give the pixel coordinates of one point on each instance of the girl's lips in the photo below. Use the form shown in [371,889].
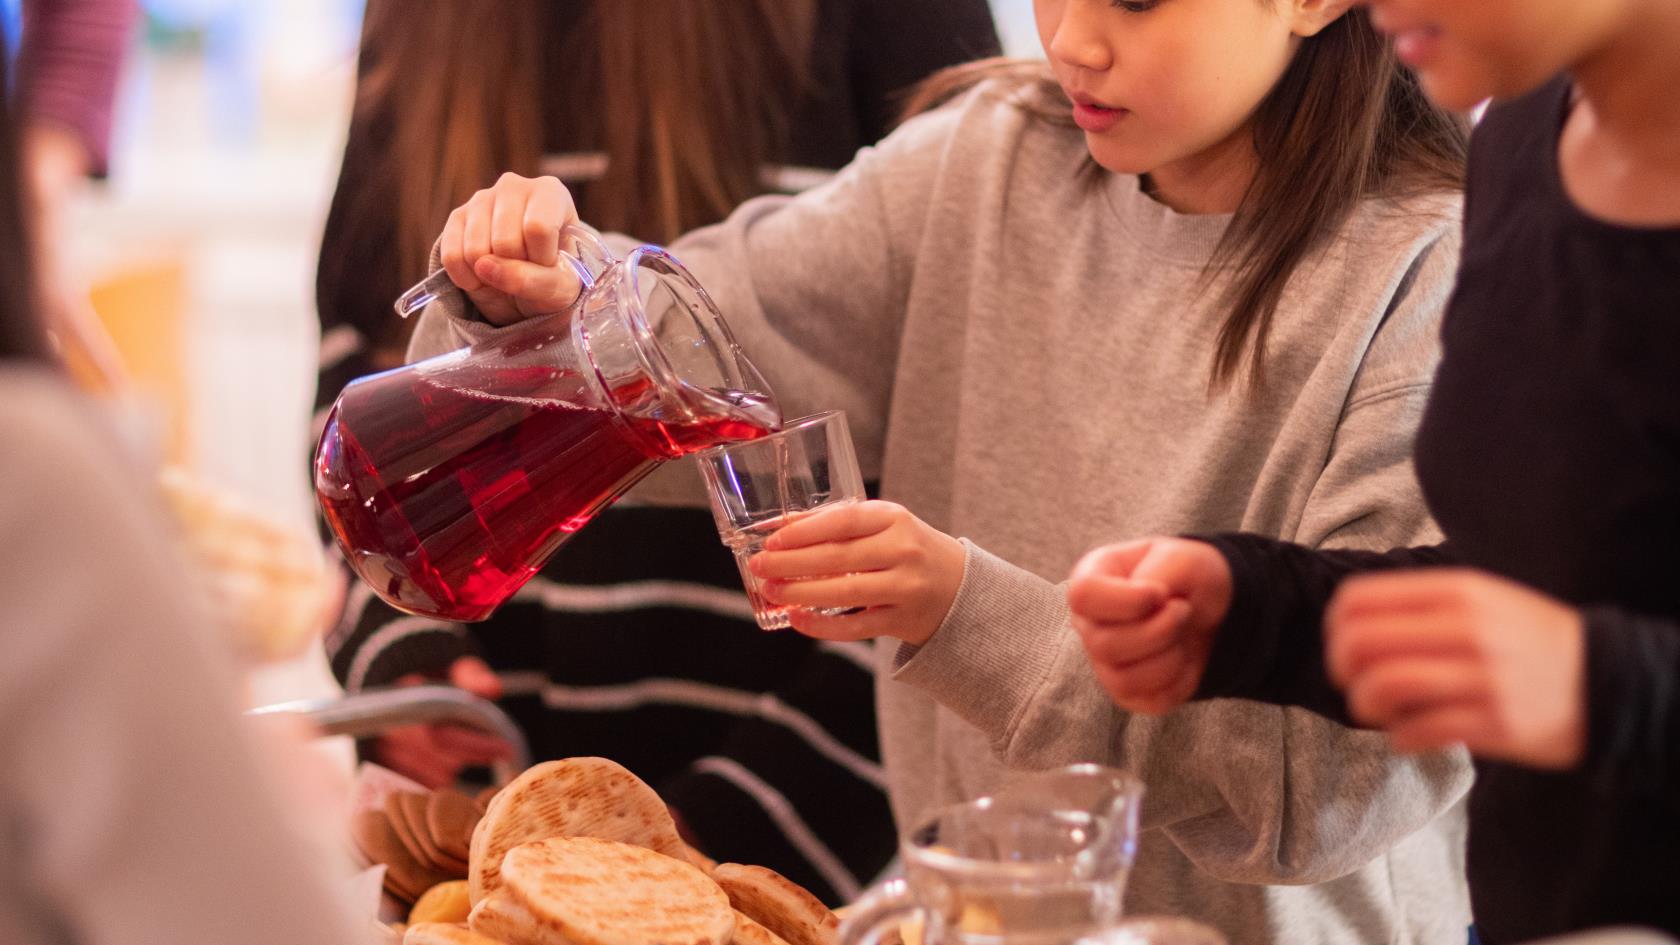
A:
[1095,118]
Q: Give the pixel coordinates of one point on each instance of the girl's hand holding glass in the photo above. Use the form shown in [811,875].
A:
[899,573]
[502,248]
[1147,611]
[1446,656]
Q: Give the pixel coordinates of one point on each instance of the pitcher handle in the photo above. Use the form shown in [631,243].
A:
[590,259]
[881,910]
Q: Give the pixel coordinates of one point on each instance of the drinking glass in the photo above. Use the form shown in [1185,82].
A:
[757,487]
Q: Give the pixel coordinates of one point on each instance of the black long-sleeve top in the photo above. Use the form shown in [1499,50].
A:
[1550,454]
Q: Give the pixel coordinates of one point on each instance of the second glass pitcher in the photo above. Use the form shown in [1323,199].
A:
[1043,862]
[449,482]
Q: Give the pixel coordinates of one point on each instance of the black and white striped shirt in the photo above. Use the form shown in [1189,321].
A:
[636,642]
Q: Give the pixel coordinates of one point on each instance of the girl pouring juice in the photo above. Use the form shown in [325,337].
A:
[1188,276]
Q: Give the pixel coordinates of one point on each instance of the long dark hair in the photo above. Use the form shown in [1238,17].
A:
[20,334]
[690,99]
[1346,122]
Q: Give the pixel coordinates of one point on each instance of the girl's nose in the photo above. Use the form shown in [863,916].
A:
[1078,38]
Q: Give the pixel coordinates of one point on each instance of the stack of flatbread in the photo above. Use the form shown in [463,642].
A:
[582,852]
[423,839]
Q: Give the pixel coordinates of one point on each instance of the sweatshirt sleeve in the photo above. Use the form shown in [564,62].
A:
[814,287]
[1633,701]
[125,753]
[1250,793]
[1271,646]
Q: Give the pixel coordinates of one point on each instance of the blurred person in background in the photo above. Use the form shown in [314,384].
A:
[134,805]
[69,61]
[636,641]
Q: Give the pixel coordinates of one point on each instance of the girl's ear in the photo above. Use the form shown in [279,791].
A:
[1308,17]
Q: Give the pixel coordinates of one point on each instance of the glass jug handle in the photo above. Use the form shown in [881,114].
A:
[590,257]
[881,910]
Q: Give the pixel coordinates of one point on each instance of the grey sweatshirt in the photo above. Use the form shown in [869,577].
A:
[1022,343]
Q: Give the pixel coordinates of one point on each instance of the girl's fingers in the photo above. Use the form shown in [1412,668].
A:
[1150,675]
[1122,688]
[865,625]
[475,240]
[475,676]
[1398,689]
[1442,727]
[466,746]
[873,589]
[1354,644]
[549,209]
[1122,644]
[536,290]
[1112,560]
[1103,599]
[825,559]
[841,523]
[507,223]
[452,247]
[1414,591]
[403,752]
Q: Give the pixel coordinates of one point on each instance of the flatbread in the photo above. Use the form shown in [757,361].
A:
[698,860]
[451,816]
[414,808]
[445,933]
[749,932]
[500,918]
[445,902]
[602,892]
[573,797]
[396,814]
[779,904]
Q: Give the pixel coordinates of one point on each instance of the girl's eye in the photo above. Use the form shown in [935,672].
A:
[1136,6]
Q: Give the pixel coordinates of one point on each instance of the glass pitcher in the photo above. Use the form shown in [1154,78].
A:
[450,481]
[1042,863]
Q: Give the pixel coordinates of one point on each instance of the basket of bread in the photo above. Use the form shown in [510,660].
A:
[573,852]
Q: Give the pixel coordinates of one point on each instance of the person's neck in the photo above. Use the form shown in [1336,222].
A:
[1214,180]
[1629,84]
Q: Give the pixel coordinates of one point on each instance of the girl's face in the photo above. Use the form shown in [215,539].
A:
[1156,83]
[1465,51]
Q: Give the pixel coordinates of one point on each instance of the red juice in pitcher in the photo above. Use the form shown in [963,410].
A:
[446,500]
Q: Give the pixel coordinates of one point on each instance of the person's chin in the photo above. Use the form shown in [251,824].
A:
[1116,157]
[1459,83]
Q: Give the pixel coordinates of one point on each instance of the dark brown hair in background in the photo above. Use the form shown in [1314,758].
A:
[690,100]
[1345,123]
[21,335]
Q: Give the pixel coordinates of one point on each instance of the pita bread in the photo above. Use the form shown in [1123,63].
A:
[445,902]
[749,932]
[451,817]
[698,860]
[779,904]
[444,933]
[500,918]
[396,814]
[405,877]
[602,892]
[573,797]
